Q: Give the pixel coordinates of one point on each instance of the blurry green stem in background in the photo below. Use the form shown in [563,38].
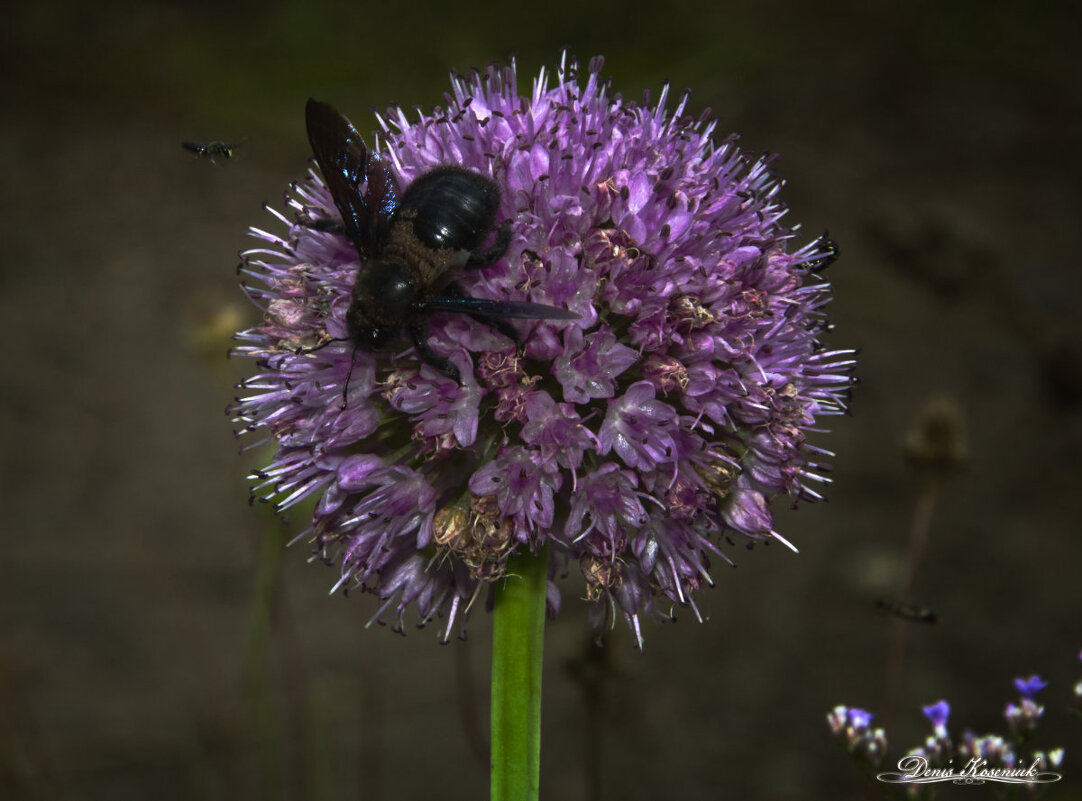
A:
[518,631]
[936,448]
[277,745]
[262,717]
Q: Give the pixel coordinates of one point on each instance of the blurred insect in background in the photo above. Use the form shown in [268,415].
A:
[211,151]
[913,612]
[833,252]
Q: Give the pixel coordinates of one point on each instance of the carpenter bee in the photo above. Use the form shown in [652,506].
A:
[211,150]
[409,247]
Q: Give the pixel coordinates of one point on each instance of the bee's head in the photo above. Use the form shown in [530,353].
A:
[365,331]
[368,336]
[383,298]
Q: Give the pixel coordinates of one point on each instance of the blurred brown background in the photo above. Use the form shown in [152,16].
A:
[937,142]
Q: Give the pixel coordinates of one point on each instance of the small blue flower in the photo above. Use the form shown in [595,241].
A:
[1031,686]
[938,713]
[859,718]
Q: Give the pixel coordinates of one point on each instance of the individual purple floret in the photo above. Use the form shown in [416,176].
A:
[1030,686]
[937,747]
[639,441]
[938,713]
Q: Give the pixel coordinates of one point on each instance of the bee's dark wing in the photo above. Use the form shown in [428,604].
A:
[347,166]
[497,308]
[381,198]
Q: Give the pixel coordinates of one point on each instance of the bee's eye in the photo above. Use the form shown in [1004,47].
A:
[372,337]
[397,296]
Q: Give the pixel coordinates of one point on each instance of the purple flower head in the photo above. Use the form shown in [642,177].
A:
[637,441]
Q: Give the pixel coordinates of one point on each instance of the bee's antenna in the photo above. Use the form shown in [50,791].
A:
[352,358]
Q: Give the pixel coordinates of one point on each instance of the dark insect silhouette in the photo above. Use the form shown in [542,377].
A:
[828,258]
[211,150]
[917,614]
[410,248]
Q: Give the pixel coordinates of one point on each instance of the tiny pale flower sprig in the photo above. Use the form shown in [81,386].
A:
[940,752]
[852,726]
[938,748]
[1023,716]
[639,442]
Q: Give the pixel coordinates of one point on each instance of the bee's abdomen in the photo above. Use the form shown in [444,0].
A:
[451,207]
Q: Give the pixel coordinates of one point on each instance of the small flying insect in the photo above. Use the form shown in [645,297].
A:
[411,247]
[912,612]
[211,150]
[833,251]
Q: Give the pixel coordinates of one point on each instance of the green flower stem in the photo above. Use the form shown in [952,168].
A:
[263,712]
[518,630]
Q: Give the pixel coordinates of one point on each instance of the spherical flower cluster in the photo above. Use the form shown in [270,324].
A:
[636,441]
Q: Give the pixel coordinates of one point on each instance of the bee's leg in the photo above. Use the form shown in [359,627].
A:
[501,325]
[483,258]
[349,375]
[418,332]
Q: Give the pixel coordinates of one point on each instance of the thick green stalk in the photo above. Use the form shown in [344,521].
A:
[518,631]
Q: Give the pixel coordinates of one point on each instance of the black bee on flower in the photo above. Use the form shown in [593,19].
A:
[411,247]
